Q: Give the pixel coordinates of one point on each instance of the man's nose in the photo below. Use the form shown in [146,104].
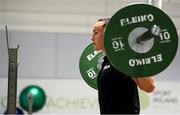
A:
[92,37]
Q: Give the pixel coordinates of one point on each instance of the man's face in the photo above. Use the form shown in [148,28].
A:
[97,37]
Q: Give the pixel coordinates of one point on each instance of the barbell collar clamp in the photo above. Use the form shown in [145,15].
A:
[149,34]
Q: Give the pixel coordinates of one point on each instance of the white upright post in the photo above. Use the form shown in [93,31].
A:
[157,3]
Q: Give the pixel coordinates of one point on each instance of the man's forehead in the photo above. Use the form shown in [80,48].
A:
[98,24]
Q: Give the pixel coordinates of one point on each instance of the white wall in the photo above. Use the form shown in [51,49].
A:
[44,55]
[71,16]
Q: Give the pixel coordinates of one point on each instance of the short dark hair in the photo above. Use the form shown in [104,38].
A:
[106,20]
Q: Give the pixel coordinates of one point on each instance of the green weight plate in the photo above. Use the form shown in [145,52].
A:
[90,64]
[140,59]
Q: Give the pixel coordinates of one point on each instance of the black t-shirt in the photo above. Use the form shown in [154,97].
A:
[117,93]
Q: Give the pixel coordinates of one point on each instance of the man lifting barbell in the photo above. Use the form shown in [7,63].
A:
[117,93]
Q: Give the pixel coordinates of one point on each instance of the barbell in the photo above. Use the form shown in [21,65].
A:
[140,40]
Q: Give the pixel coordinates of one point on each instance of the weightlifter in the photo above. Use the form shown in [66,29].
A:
[117,93]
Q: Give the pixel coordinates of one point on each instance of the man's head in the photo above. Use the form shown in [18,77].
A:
[98,34]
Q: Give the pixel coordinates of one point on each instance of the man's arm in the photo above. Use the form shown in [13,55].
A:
[145,83]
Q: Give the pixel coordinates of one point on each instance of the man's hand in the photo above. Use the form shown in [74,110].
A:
[145,83]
